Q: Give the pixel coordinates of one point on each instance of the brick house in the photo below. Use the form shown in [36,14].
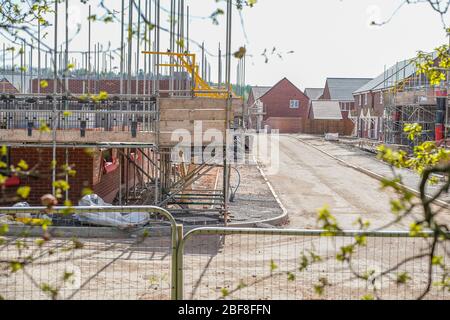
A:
[341,90]
[284,105]
[314,93]
[370,100]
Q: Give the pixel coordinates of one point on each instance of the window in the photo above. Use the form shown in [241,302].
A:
[365,99]
[381,97]
[294,104]
[360,99]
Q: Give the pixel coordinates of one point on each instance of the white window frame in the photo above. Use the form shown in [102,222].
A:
[381,97]
[360,99]
[365,99]
[296,104]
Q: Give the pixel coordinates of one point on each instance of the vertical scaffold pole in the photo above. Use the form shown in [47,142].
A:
[228,107]
[55,78]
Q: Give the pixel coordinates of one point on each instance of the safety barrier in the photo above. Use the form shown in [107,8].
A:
[87,261]
[159,261]
[267,264]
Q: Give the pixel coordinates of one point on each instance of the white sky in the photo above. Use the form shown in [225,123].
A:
[330,38]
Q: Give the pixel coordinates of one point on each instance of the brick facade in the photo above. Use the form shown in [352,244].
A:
[111,86]
[371,103]
[81,161]
[89,168]
[277,101]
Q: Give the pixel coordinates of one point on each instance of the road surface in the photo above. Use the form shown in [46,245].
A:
[307,180]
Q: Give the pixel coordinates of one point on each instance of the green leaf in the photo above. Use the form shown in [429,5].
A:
[23,192]
[225,292]
[403,277]
[15,266]
[273,266]
[291,276]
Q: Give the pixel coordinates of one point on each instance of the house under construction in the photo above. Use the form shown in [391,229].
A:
[400,96]
[141,144]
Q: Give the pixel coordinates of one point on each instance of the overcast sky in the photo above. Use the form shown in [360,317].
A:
[333,38]
[330,38]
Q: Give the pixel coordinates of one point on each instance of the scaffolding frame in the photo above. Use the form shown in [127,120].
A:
[181,70]
[408,100]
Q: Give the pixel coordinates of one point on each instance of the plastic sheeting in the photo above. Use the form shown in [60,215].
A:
[109,219]
[22,205]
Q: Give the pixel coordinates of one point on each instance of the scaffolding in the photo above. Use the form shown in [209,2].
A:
[408,98]
[130,120]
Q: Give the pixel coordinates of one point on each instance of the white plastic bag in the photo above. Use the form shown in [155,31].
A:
[22,205]
[109,219]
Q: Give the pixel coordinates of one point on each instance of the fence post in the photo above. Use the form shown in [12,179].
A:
[179,284]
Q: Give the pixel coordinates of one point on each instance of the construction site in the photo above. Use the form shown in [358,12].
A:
[399,96]
[152,170]
[130,118]
[413,100]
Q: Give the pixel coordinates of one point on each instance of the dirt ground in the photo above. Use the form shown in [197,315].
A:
[245,266]
[264,267]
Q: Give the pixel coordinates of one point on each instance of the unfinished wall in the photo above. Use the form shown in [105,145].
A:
[89,168]
[41,185]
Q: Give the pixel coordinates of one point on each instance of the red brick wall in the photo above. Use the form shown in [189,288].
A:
[276,101]
[378,105]
[108,186]
[85,166]
[326,93]
[110,86]
[81,162]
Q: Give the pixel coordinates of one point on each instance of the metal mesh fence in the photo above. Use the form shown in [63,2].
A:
[87,262]
[269,265]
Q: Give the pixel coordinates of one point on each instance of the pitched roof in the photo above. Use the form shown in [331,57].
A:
[258,92]
[401,70]
[314,93]
[398,72]
[342,88]
[7,87]
[325,110]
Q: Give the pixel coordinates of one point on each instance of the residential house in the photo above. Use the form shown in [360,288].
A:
[283,106]
[372,101]
[314,93]
[255,109]
[341,90]
[325,116]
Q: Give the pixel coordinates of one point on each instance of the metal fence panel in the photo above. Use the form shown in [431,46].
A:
[267,264]
[88,262]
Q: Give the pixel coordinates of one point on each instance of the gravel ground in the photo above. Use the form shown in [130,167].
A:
[254,201]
